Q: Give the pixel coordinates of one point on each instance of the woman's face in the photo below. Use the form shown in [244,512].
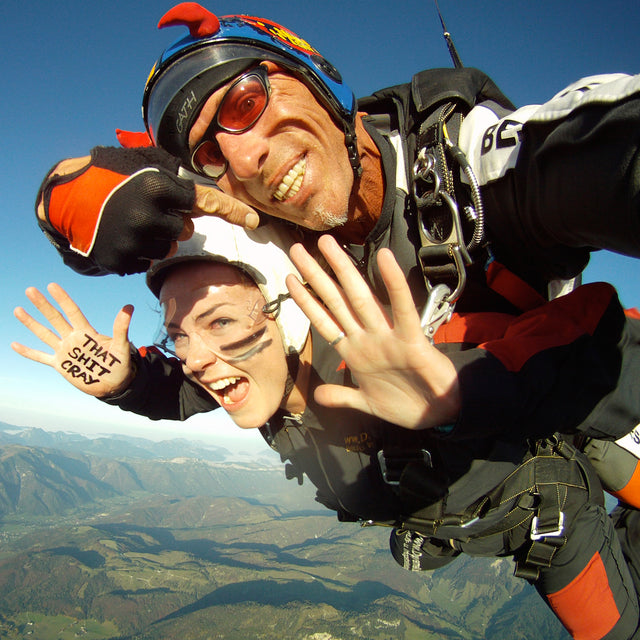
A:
[214,323]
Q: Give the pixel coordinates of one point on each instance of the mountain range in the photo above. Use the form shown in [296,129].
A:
[179,540]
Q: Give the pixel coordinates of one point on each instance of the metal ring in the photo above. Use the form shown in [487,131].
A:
[337,339]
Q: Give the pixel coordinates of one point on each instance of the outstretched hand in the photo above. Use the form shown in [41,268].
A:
[402,377]
[96,364]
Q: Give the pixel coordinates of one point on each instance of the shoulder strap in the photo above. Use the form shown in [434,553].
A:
[445,96]
[466,86]
[432,87]
[429,112]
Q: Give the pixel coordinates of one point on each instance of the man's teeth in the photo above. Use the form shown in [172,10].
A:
[291,183]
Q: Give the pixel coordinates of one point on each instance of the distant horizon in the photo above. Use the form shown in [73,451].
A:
[213,428]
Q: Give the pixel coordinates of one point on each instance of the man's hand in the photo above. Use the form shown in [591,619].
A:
[402,378]
[98,365]
[210,201]
[119,209]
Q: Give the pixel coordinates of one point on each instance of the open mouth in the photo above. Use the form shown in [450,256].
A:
[230,391]
[292,182]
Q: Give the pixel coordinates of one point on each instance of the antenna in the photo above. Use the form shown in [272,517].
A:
[457,63]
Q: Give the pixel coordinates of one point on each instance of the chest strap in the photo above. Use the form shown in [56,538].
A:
[444,253]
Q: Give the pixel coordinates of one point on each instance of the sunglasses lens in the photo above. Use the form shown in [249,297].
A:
[208,159]
[240,109]
[243,104]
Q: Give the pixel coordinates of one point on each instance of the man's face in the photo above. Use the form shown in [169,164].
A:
[292,163]
[214,323]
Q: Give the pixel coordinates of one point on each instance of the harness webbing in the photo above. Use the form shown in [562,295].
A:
[533,498]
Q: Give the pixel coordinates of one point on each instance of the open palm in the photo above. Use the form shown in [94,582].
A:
[401,377]
[96,364]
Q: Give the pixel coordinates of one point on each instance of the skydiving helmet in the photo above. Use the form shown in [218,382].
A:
[216,51]
[261,253]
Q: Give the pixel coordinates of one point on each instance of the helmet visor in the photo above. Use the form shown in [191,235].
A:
[175,94]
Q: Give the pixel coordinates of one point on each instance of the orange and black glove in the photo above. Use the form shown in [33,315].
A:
[118,213]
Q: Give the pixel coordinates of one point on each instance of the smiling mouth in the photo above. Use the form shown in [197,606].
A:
[292,182]
[230,390]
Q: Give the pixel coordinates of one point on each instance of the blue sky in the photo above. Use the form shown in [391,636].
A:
[73,72]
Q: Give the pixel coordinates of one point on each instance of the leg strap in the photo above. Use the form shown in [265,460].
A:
[551,492]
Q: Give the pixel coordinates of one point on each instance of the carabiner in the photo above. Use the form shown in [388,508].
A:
[437,310]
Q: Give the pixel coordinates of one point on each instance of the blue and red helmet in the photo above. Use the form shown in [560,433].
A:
[216,51]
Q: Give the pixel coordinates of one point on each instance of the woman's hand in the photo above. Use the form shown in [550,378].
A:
[402,377]
[98,365]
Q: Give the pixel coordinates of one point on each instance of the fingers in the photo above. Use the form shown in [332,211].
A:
[40,331]
[32,354]
[212,201]
[121,328]
[323,321]
[55,318]
[356,290]
[76,319]
[185,234]
[405,316]
[187,229]
[352,304]
[327,290]
[62,325]
[335,396]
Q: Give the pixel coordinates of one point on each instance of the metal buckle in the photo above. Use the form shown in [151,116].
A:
[392,465]
[536,534]
[425,169]
[437,310]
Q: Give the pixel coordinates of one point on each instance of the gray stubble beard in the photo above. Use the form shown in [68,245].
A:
[331,220]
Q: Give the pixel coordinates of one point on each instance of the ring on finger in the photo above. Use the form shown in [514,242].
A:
[337,339]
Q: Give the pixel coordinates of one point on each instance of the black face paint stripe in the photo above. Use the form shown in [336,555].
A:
[233,346]
[252,352]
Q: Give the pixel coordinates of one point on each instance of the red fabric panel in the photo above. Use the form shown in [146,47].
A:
[512,288]
[473,328]
[586,606]
[75,207]
[630,493]
[559,322]
[143,351]
[133,139]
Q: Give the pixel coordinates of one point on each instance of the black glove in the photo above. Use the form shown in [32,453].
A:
[418,553]
[118,213]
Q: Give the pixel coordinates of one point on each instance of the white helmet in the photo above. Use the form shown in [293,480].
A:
[261,253]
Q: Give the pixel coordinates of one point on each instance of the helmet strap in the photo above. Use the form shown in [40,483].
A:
[351,142]
[293,363]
